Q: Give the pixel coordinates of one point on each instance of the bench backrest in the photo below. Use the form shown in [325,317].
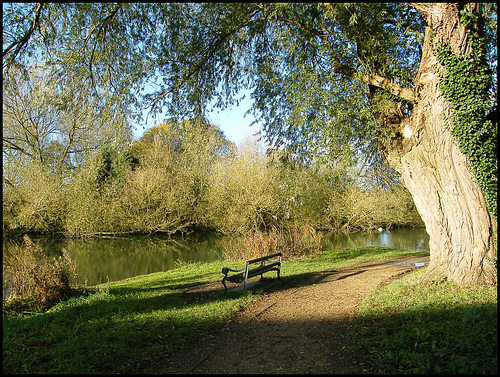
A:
[264,258]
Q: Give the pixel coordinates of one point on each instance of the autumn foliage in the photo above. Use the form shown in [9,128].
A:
[34,279]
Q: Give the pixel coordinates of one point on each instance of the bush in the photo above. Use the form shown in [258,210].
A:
[35,279]
[304,194]
[85,209]
[358,209]
[301,240]
[294,242]
[36,203]
[242,195]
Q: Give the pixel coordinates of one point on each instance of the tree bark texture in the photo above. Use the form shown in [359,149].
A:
[449,201]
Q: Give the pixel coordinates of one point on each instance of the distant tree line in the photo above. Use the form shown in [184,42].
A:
[185,175]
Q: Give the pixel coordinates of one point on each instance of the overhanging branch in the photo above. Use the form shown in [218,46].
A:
[391,87]
[371,79]
[101,27]
[211,50]
[20,43]
[338,67]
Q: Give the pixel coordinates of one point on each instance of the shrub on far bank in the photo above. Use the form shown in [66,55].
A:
[301,240]
[35,280]
[36,202]
[357,209]
[242,193]
[293,242]
[173,187]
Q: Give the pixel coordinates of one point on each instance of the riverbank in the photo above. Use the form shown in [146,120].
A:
[123,326]
[100,260]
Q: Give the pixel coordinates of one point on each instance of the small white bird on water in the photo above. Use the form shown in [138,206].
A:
[381,229]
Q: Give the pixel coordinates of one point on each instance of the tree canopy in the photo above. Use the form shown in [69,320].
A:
[178,58]
[54,126]
[182,136]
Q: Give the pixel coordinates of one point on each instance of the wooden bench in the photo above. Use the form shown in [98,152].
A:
[268,263]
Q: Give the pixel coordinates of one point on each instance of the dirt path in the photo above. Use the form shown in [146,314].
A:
[302,327]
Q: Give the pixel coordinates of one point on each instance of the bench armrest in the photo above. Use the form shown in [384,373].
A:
[225,270]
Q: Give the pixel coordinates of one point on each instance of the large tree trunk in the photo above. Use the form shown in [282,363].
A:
[449,201]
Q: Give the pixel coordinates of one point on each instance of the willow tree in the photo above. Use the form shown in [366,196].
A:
[325,78]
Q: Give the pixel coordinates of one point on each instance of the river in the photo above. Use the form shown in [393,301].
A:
[109,259]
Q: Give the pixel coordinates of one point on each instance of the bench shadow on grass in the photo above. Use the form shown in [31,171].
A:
[268,283]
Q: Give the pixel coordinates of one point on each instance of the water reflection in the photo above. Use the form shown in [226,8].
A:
[108,259]
[398,238]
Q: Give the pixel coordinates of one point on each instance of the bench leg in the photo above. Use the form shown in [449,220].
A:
[246,277]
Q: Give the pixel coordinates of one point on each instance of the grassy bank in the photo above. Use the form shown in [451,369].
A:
[119,325]
[407,327]
[123,325]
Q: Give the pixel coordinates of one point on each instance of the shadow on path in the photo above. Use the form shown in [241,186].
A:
[300,325]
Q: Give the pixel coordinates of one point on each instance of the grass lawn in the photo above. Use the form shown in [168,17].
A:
[407,327]
[119,325]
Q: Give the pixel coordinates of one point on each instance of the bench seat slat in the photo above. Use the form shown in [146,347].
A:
[252,273]
[262,269]
[238,278]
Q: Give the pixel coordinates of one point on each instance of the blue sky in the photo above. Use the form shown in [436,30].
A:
[231,121]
